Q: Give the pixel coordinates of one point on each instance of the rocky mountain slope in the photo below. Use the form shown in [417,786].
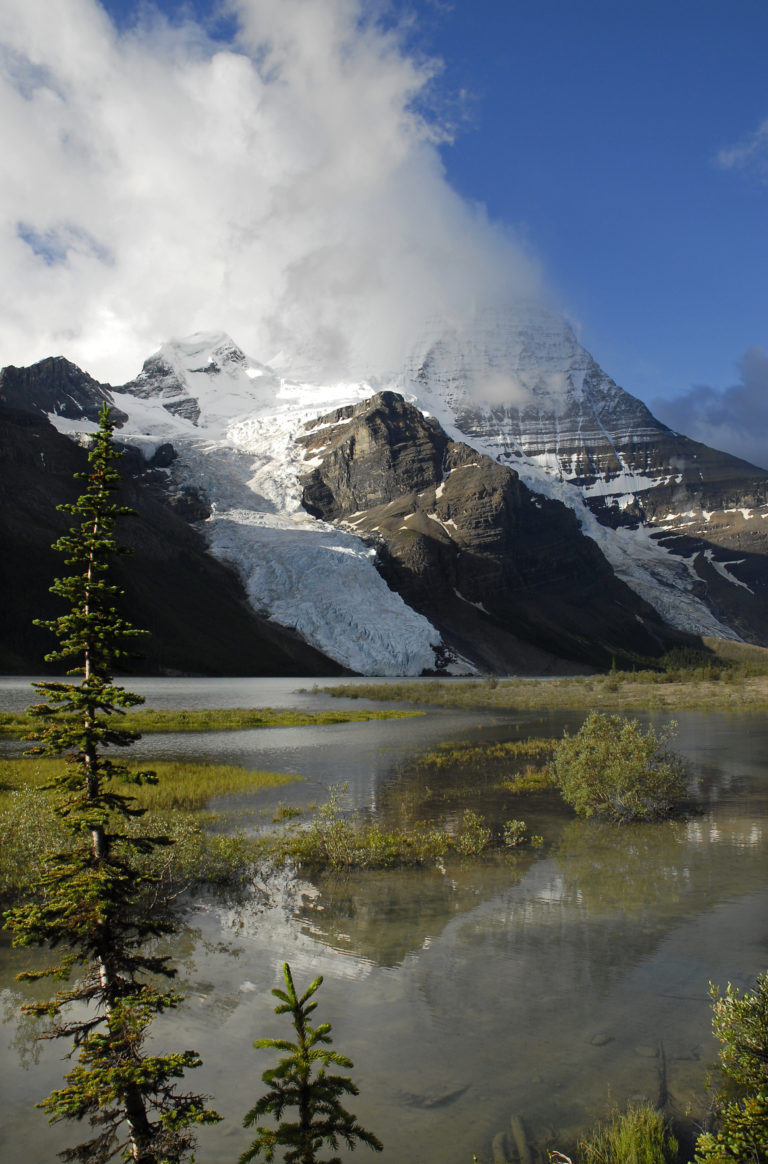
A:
[500,502]
[506,576]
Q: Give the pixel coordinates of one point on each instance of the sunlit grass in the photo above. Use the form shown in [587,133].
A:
[20,723]
[176,808]
[196,858]
[181,785]
[464,754]
[640,1135]
[463,770]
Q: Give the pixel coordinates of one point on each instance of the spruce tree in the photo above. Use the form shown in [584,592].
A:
[93,902]
[301,1080]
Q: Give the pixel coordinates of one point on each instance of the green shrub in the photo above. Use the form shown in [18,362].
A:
[613,769]
[474,836]
[333,841]
[515,833]
[740,1133]
[639,1135]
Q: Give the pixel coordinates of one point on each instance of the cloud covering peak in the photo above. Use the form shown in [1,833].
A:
[282,186]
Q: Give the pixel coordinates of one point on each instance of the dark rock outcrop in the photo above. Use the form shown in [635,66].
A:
[56,387]
[504,574]
[158,378]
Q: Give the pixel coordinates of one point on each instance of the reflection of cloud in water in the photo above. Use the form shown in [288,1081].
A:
[271,919]
[741,833]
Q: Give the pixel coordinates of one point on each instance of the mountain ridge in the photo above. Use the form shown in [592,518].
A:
[681,526]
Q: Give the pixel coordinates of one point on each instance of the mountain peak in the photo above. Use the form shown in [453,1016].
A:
[58,388]
[512,356]
[204,378]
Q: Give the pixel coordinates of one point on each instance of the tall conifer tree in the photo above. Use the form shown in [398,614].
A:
[92,902]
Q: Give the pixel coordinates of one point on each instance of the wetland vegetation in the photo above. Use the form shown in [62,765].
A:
[444,780]
[198,856]
[146,721]
[725,676]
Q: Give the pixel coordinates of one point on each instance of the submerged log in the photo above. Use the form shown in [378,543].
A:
[520,1139]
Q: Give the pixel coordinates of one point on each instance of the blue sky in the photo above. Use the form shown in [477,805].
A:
[619,148]
[596,130]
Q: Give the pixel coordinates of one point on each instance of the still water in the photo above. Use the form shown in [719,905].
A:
[519,998]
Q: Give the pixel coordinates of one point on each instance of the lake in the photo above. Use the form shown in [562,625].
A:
[508,998]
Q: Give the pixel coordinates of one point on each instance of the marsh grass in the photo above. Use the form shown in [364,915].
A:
[335,841]
[459,772]
[188,786]
[195,858]
[737,689]
[176,808]
[353,844]
[466,755]
[515,766]
[638,1135]
[20,724]
[723,675]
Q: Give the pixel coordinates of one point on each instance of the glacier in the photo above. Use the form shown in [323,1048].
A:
[232,421]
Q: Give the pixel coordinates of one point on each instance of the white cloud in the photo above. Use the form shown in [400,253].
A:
[734,419]
[281,187]
[749,153]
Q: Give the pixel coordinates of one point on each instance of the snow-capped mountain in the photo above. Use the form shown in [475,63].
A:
[676,519]
[262,466]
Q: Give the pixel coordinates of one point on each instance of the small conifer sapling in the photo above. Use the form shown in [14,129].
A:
[302,1081]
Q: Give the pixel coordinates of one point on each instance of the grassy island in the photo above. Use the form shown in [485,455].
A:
[227,719]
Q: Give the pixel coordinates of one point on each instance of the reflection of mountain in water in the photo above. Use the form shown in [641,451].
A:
[384,916]
[550,987]
[609,894]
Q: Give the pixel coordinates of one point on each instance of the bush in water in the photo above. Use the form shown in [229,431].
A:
[613,769]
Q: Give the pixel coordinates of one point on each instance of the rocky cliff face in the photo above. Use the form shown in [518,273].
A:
[58,388]
[507,577]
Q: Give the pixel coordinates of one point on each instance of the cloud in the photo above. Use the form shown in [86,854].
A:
[751,153]
[733,419]
[282,187]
